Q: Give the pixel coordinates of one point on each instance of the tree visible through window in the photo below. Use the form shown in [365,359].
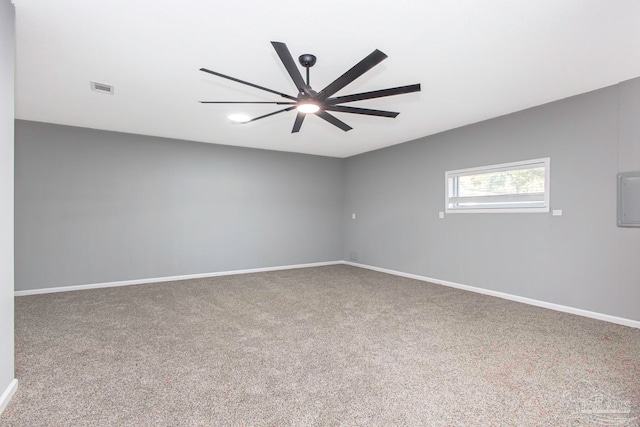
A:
[512,187]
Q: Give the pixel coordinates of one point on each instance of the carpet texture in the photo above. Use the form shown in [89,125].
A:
[334,345]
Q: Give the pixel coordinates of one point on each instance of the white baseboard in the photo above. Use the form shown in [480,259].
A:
[8,394]
[168,279]
[524,300]
[530,301]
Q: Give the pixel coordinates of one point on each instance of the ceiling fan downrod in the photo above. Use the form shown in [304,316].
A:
[307,61]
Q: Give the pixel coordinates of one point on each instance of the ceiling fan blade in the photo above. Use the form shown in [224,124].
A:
[365,111]
[374,94]
[284,95]
[246,102]
[285,56]
[333,120]
[270,114]
[373,59]
[298,123]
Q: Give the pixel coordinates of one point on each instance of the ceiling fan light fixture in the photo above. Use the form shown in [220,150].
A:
[308,108]
[238,118]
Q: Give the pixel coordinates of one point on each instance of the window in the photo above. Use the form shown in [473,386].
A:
[509,187]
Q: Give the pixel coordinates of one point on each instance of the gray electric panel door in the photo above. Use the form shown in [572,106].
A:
[629,199]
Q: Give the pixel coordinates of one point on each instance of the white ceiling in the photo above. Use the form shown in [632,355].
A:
[475,60]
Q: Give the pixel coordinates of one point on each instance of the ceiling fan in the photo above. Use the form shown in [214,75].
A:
[320,103]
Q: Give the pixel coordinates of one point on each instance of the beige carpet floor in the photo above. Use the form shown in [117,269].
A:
[334,345]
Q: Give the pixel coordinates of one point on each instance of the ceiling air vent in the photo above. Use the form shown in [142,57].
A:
[102,88]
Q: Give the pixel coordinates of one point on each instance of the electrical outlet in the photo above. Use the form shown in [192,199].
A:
[353,216]
[440,215]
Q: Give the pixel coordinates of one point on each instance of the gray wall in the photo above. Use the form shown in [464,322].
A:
[95,206]
[580,259]
[7,49]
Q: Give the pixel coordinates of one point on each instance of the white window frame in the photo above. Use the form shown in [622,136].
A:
[508,206]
